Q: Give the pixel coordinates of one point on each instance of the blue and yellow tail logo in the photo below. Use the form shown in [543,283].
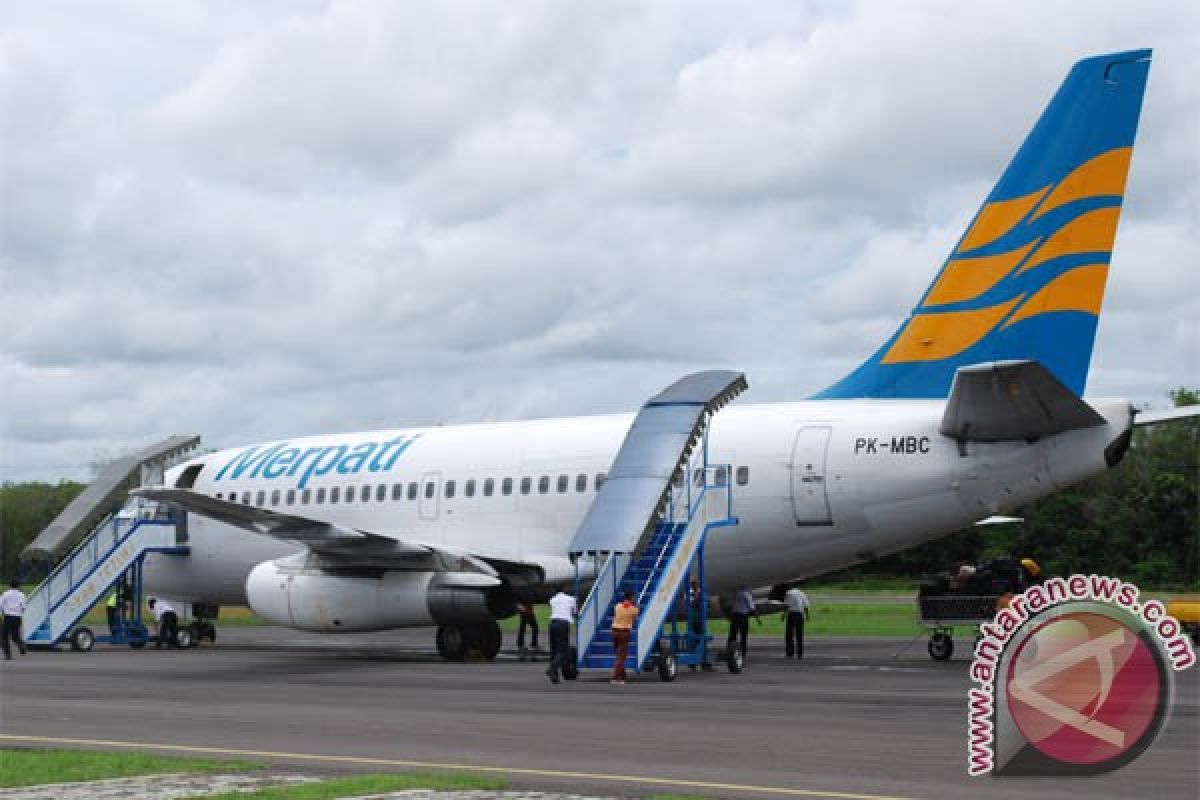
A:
[1026,280]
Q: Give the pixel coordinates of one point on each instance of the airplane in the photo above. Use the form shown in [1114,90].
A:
[972,408]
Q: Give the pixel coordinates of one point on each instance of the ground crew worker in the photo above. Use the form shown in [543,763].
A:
[528,620]
[797,614]
[562,614]
[622,628]
[112,608]
[168,622]
[739,619]
[12,605]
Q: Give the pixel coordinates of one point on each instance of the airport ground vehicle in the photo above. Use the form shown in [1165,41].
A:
[969,597]
[1186,609]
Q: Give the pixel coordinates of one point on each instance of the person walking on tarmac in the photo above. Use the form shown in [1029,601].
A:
[12,605]
[797,614]
[562,614]
[622,628]
[739,619]
[168,622]
[528,620]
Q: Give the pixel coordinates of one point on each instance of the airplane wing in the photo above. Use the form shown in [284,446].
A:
[1011,400]
[1169,415]
[335,544]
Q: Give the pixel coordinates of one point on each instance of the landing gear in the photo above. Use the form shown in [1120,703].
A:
[485,638]
[941,646]
[451,642]
[202,629]
[456,642]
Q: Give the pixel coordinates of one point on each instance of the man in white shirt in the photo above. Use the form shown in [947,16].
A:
[797,614]
[12,605]
[562,614]
[168,621]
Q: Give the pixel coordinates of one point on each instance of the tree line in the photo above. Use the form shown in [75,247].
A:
[1137,521]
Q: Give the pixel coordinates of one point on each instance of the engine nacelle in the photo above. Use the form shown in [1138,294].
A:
[345,601]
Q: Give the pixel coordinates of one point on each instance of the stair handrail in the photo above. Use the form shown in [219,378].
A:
[591,614]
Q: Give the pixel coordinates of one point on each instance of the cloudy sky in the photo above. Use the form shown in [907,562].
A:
[260,220]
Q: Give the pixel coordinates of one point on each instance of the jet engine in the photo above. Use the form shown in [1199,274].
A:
[293,593]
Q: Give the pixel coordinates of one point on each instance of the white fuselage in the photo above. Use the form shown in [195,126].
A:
[816,486]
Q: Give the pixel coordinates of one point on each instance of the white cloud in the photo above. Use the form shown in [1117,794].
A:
[288,218]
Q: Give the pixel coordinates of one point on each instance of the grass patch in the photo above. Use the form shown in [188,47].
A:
[828,619]
[33,767]
[357,785]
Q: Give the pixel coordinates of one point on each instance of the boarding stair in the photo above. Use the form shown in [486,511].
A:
[93,507]
[662,488]
[114,552]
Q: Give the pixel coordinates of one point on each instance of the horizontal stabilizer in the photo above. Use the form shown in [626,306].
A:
[1171,414]
[1012,400]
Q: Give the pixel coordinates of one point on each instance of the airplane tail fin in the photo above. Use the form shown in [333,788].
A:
[1026,280]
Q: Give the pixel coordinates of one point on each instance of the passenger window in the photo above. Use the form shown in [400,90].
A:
[469,489]
[601,477]
[743,476]
[397,491]
[260,499]
[506,487]
[543,484]
[349,494]
[489,486]
[563,483]
[321,495]
[275,497]
[291,496]
[245,498]
[428,489]
[581,482]
[333,494]
[698,477]
[412,491]
[526,484]
[720,476]
[449,489]
[364,495]
[305,496]
[381,493]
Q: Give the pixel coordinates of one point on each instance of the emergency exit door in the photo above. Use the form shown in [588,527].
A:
[809,498]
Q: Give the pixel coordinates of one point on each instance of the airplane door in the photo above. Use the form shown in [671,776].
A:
[809,500]
[430,492]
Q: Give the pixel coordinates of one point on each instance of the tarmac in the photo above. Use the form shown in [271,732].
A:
[857,718]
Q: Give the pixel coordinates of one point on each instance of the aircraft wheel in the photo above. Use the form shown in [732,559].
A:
[668,666]
[941,646]
[490,639]
[82,640]
[570,669]
[452,642]
[735,660]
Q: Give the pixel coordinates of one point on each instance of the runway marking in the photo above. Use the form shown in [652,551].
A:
[434,765]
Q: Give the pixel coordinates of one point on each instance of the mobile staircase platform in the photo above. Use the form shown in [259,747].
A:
[114,554]
[649,523]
